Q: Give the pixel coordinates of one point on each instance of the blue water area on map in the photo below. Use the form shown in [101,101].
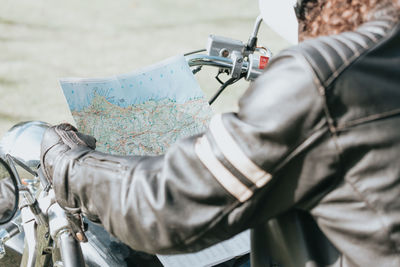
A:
[170,79]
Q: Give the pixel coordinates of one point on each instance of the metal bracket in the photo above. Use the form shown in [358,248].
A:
[237,58]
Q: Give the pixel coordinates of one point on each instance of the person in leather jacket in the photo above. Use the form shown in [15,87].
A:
[319,131]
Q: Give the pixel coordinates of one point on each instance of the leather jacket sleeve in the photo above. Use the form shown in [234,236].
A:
[208,187]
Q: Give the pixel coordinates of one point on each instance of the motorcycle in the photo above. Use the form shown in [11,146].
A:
[37,230]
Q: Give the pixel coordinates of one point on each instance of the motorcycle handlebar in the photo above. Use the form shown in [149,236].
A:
[59,228]
[206,60]
[71,252]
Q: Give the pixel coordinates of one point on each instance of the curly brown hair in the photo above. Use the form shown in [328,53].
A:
[326,17]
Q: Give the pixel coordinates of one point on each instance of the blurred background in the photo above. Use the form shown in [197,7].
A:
[42,41]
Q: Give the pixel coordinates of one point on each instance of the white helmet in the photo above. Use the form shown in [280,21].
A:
[281,17]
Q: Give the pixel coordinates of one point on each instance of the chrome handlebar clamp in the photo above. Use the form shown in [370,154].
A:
[233,57]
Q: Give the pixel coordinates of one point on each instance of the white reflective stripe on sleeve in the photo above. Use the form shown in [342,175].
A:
[221,174]
[234,154]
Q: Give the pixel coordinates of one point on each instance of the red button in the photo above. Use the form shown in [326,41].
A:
[263,62]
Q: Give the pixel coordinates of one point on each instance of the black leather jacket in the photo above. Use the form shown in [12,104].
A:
[319,132]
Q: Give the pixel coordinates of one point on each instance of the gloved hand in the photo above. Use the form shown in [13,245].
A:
[57,141]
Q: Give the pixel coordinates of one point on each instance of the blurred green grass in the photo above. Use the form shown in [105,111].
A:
[42,41]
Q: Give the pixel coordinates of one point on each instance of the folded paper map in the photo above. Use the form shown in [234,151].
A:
[139,113]
[143,113]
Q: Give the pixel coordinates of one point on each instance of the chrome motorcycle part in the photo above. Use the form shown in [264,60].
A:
[26,192]
[6,234]
[232,57]
[30,230]
[219,46]
[214,61]
[23,142]
[253,67]
[57,220]
[11,237]
[71,252]
[237,58]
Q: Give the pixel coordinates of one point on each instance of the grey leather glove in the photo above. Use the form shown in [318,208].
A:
[57,141]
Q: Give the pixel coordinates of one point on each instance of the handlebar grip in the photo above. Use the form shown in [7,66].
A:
[71,252]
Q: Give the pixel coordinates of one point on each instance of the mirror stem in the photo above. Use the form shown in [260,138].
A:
[10,162]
